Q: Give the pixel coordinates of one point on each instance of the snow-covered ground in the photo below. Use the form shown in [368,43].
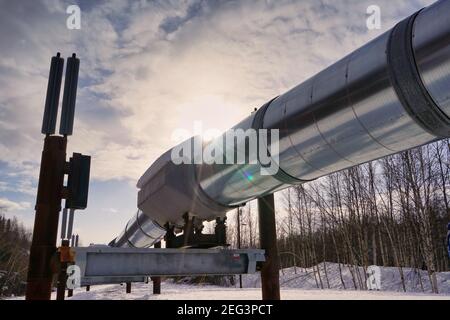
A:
[171,291]
[296,284]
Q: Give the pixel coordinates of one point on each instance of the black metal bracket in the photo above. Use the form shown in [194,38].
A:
[193,236]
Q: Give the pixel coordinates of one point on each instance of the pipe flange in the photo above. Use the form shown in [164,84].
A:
[257,124]
[408,85]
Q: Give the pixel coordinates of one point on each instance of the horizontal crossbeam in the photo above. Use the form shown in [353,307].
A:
[104,264]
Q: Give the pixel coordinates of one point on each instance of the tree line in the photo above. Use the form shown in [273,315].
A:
[15,242]
[389,212]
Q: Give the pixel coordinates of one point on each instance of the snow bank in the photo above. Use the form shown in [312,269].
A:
[352,278]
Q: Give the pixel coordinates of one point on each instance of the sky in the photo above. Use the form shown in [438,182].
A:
[149,68]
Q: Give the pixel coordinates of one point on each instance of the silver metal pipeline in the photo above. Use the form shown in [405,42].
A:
[390,95]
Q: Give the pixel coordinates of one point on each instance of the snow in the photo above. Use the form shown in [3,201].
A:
[296,284]
[415,279]
[171,291]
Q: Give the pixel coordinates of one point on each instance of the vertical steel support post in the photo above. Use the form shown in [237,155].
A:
[48,206]
[239,238]
[220,230]
[157,280]
[62,277]
[70,291]
[270,281]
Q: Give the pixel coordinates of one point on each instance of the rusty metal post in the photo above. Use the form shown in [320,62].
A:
[62,277]
[61,287]
[128,289]
[270,281]
[48,206]
[157,280]
[74,244]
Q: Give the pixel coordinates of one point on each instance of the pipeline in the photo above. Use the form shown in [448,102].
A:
[388,96]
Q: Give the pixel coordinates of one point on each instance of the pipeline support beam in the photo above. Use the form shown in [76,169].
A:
[106,265]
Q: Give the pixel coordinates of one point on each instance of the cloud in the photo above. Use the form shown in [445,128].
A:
[8,205]
[22,185]
[111,210]
[149,68]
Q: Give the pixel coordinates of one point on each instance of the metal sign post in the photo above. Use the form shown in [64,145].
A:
[48,205]
[44,262]
[49,193]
